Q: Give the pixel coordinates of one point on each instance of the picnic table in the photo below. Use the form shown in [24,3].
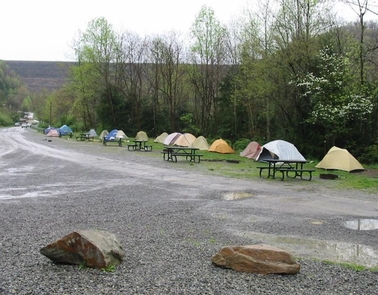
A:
[112,139]
[85,136]
[170,153]
[288,168]
[139,145]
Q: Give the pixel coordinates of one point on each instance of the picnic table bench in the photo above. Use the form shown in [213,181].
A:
[116,140]
[288,168]
[170,153]
[139,145]
[85,136]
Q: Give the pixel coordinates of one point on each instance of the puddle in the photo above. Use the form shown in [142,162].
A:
[321,249]
[236,196]
[362,224]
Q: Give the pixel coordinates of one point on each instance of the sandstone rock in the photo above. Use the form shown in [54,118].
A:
[262,259]
[92,248]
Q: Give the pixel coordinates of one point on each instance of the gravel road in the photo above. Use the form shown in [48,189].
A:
[171,218]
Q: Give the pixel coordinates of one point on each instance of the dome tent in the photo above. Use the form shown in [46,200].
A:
[339,159]
[251,151]
[141,135]
[161,137]
[221,146]
[200,143]
[279,149]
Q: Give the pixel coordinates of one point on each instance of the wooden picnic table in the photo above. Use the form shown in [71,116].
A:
[170,153]
[139,145]
[290,168]
[84,136]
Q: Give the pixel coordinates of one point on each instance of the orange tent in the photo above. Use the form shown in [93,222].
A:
[221,146]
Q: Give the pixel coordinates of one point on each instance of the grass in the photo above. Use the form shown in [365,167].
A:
[235,166]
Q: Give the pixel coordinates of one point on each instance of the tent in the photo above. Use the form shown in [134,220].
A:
[121,134]
[200,143]
[339,159]
[115,133]
[53,132]
[103,134]
[221,146]
[170,139]
[47,130]
[161,137]
[279,149]
[185,139]
[65,130]
[141,135]
[92,133]
[251,151]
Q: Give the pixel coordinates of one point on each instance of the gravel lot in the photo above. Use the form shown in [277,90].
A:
[170,218]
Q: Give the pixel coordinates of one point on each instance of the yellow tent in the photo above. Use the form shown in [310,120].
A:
[141,135]
[221,146]
[339,159]
[161,137]
[185,139]
[200,143]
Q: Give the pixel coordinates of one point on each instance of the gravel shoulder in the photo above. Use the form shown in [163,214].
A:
[170,218]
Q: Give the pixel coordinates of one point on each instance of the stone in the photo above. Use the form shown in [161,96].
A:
[92,248]
[261,259]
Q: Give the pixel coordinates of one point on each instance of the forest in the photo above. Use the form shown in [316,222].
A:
[291,71]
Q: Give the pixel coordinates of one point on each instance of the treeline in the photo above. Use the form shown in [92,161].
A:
[290,71]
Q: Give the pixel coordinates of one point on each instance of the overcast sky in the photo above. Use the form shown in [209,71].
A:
[44,29]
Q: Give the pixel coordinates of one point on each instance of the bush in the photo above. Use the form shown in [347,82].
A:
[370,155]
[241,144]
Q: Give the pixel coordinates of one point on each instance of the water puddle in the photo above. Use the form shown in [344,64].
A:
[362,224]
[321,249]
[236,196]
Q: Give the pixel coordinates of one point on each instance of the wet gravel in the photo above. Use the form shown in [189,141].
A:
[168,228]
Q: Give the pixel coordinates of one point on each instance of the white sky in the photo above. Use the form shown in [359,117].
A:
[44,29]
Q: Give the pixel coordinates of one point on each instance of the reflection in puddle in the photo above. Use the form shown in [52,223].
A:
[362,224]
[236,196]
[321,249]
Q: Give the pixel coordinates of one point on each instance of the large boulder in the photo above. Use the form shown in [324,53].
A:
[262,259]
[92,248]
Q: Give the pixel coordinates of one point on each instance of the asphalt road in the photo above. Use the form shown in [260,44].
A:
[309,219]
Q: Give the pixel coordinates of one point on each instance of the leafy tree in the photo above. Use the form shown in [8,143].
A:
[334,101]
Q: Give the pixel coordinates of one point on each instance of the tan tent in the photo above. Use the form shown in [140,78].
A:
[200,143]
[252,150]
[185,139]
[221,146]
[161,137]
[103,134]
[141,135]
[339,159]
[121,134]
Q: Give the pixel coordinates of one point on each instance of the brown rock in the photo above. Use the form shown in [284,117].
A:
[262,259]
[92,248]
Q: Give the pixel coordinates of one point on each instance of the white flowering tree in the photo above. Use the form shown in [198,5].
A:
[334,101]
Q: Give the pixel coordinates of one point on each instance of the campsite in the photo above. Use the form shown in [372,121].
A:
[166,214]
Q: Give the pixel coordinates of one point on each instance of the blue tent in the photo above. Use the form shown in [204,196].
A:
[65,130]
[112,135]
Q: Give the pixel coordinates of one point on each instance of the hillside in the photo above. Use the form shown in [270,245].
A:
[39,75]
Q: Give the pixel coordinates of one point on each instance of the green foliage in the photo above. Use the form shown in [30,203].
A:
[241,144]
[370,154]
[5,119]
[188,125]
[109,268]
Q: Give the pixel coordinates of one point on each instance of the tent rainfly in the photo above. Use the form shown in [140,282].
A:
[161,137]
[279,149]
[141,135]
[170,139]
[339,159]
[200,143]
[185,139]
[251,151]
[221,146]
